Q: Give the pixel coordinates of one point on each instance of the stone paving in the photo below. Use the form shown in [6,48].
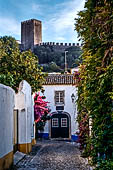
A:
[53,155]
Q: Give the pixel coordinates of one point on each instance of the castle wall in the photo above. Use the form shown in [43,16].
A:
[37,32]
[58,44]
[58,47]
[31,33]
[31,37]
[27,34]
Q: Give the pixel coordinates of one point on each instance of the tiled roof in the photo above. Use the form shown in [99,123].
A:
[59,79]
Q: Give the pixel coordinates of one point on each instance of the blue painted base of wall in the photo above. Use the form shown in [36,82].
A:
[43,135]
[46,136]
[74,138]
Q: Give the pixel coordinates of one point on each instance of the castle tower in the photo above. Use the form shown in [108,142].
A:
[31,33]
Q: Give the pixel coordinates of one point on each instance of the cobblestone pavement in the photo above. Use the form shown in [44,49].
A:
[53,155]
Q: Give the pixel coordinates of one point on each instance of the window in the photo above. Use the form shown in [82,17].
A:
[55,122]
[59,97]
[63,122]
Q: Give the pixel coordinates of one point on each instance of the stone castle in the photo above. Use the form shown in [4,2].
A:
[31,37]
[31,33]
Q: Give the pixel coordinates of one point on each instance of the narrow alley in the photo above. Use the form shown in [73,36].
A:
[53,155]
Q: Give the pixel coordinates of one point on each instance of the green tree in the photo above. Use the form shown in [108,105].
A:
[52,53]
[16,66]
[95,28]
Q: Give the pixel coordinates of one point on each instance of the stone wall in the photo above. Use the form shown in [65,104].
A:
[31,36]
[31,33]
[58,44]
[57,47]
[6,126]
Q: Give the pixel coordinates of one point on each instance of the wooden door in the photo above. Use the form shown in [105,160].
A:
[60,125]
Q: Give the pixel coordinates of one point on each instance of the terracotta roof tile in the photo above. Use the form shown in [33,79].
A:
[55,79]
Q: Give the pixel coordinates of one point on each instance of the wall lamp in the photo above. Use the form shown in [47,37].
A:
[73,97]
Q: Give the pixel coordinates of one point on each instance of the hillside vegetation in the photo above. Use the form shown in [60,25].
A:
[52,58]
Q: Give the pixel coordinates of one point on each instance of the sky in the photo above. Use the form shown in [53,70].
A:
[57,18]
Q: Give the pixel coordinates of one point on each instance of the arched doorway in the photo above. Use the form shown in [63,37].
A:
[60,125]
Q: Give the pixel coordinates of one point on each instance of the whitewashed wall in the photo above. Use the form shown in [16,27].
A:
[6,119]
[23,102]
[69,106]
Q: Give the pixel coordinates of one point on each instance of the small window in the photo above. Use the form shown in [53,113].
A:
[55,122]
[59,97]
[63,122]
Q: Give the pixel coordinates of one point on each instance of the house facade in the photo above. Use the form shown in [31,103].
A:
[61,92]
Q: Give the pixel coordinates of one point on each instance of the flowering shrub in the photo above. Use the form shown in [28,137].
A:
[41,111]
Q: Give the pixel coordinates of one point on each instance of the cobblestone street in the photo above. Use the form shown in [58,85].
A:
[53,155]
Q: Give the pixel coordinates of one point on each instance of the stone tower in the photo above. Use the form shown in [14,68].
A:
[31,33]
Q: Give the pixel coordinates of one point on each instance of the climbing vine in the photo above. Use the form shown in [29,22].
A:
[95,95]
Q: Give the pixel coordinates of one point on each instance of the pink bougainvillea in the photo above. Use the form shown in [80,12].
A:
[41,108]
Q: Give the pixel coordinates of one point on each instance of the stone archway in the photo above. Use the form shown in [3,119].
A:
[60,125]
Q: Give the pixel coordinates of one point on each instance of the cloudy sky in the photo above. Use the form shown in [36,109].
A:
[57,18]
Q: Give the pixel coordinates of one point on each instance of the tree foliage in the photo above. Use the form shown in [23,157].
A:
[95,28]
[55,54]
[16,66]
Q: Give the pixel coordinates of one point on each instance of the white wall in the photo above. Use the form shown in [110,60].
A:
[23,102]
[68,107]
[6,119]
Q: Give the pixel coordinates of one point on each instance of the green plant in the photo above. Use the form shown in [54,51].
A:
[95,95]
[16,66]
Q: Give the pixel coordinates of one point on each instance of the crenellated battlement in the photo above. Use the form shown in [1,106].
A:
[58,44]
[30,20]
[31,37]
[57,47]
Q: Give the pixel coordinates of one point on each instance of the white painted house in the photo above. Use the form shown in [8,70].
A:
[61,92]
